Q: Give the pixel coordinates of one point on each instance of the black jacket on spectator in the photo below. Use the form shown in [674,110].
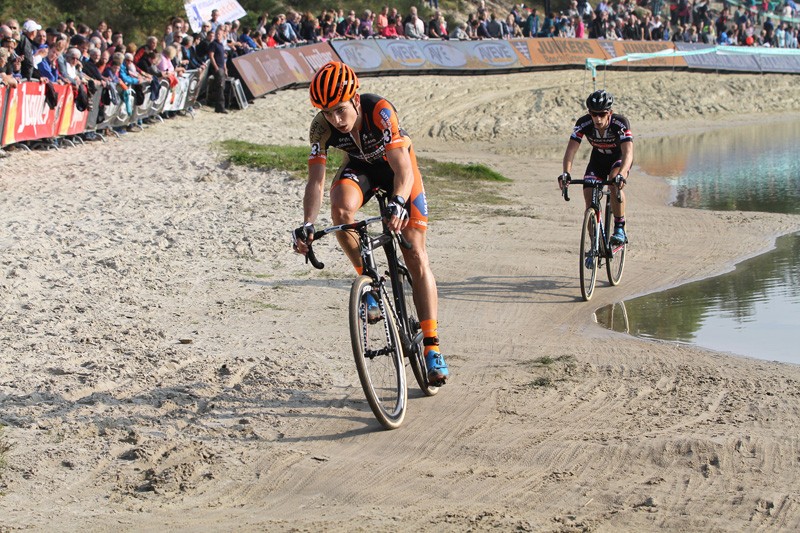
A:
[201,51]
[91,70]
[25,49]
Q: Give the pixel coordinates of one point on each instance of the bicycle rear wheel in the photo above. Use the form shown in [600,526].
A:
[615,263]
[588,257]
[414,349]
[379,357]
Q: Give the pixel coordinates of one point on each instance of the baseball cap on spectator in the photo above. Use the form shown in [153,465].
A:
[42,47]
[77,39]
[30,25]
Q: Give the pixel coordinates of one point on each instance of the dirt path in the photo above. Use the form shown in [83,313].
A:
[168,362]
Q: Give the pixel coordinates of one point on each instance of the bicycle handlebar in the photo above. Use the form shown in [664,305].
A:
[593,183]
[312,258]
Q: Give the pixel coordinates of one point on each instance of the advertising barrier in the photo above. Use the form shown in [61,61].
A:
[253,71]
[363,55]
[399,55]
[268,70]
[623,48]
[3,101]
[547,52]
[28,116]
[73,121]
[35,111]
[197,82]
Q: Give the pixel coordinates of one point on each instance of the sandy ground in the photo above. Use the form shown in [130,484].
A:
[169,364]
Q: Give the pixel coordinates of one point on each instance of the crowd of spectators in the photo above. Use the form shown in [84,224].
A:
[692,21]
[96,58]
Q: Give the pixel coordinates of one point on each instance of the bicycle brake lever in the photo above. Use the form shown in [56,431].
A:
[310,257]
[403,242]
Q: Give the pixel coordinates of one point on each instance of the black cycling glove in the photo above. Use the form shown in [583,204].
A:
[302,233]
[396,208]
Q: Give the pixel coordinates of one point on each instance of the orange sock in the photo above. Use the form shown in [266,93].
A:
[430,335]
[359,270]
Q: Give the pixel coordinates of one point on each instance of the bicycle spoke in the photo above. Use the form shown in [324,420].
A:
[378,356]
[589,258]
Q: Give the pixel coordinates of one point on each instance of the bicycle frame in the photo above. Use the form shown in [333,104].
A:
[602,240]
[367,245]
[387,397]
[597,248]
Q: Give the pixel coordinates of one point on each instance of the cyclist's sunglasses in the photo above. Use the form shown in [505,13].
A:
[598,113]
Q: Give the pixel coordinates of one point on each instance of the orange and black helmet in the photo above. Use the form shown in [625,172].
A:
[333,83]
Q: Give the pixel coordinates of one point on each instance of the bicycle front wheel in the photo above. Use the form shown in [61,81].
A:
[379,355]
[615,263]
[414,349]
[589,258]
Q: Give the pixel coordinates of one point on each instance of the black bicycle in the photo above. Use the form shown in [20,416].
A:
[596,246]
[381,343]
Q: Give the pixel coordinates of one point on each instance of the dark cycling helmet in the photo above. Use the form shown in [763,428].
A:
[333,83]
[599,101]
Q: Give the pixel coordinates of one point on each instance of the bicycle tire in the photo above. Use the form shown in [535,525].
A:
[379,356]
[588,275]
[415,351]
[615,262]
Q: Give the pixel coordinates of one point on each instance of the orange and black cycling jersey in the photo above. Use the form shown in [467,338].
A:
[380,131]
[610,142]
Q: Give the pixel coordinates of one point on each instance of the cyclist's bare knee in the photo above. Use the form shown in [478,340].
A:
[343,213]
[345,203]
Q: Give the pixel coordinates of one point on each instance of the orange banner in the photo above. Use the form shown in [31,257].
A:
[541,52]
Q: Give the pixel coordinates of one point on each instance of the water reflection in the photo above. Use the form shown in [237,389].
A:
[754,310]
[753,168]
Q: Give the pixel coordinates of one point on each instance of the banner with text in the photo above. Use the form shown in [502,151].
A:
[28,116]
[622,48]
[200,11]
[373,55]
[543,52]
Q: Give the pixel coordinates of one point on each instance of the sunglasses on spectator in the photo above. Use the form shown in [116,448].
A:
[598,114]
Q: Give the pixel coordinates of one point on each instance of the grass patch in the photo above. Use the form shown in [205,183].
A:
[269,306]
[258,276]
[449,186]
[463,173]
[292,159]
[547,361]
[542,382]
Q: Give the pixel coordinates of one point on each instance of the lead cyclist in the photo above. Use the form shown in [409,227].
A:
[612,153]
[378,153]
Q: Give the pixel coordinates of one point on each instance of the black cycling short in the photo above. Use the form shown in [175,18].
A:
[600,166]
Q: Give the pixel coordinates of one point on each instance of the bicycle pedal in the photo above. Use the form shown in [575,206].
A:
[437,383]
